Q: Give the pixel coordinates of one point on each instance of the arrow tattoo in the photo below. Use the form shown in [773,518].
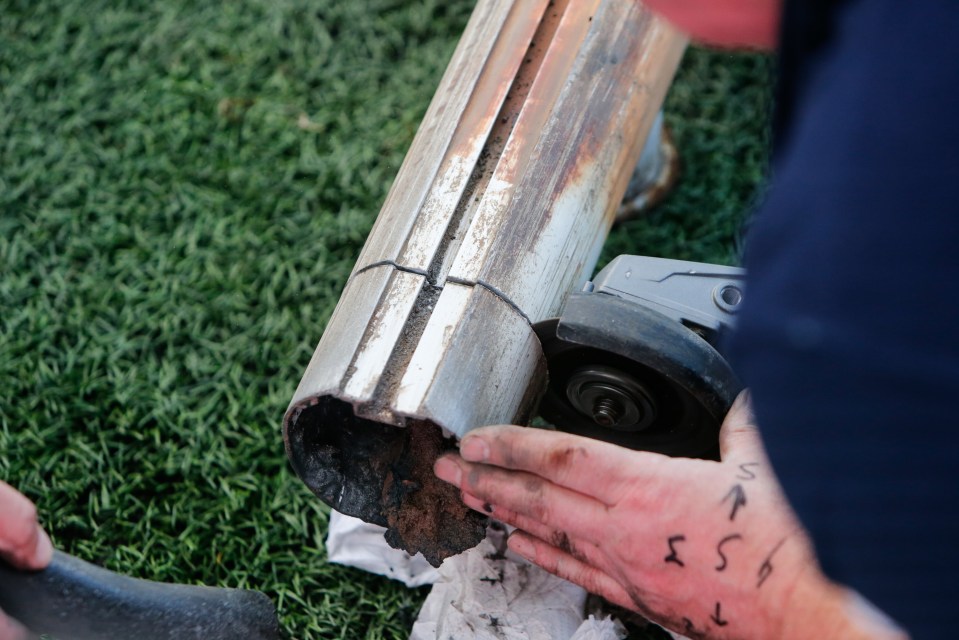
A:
[738,498]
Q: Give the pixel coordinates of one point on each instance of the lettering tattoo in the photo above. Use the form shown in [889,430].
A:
[673,555]
[717,617]
[719,549]
[766,568]
[738,499]
[747,473]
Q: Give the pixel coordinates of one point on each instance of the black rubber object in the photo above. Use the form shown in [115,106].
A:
[691,383]
[75,600]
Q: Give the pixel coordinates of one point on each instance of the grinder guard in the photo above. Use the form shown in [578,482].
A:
[633,359]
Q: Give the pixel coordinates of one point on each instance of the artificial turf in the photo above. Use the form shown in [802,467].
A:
[184,187]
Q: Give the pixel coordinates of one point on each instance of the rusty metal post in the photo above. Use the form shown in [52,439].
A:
[498,213]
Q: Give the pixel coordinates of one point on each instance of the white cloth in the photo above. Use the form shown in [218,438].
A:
[355,543]
[600,629]
[486,593]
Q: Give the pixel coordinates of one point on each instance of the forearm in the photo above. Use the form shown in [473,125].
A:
[821,609]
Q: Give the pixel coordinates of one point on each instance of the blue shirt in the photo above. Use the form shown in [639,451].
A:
[849,333]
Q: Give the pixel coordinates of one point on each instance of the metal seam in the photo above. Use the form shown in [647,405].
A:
[496,292]
[390,263]
[460,281]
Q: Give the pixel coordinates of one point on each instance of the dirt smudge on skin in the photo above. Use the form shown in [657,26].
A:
[565,458]
[474,477]
[670,620]
[533,485]
[561,541]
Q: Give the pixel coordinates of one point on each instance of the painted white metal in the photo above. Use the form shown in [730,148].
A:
[498,213]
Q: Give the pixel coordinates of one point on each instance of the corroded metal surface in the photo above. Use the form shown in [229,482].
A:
[498,213]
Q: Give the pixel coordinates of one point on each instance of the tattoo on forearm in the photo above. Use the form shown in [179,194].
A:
[673,556]
[719,549]
[747,473]
[717,617]
[738,498]
[766,568]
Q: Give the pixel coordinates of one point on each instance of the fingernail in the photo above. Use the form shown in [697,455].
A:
[44,552]
[474,449]
[448,471]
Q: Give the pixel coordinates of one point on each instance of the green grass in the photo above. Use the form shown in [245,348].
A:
[183,189]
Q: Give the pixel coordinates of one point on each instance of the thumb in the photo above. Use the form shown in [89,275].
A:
[739,436]
[10,629]
[23,543]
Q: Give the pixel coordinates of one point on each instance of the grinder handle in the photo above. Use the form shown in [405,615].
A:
[75,600]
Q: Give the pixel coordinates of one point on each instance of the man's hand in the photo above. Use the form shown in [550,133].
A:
[23,544]
[707,549]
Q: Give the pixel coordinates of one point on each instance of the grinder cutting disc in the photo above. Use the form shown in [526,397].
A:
[627,374]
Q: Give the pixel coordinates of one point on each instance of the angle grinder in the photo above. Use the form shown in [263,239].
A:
[634,358]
